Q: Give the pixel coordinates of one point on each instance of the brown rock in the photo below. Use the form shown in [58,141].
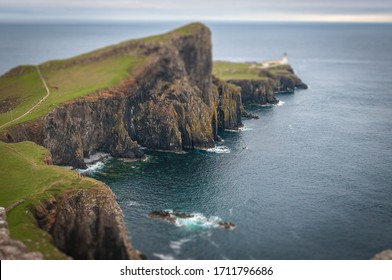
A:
[384,255]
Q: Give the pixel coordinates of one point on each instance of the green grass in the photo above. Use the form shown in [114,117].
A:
[25,177]
[243,71]
[234,71]
[65,84]
[27,88]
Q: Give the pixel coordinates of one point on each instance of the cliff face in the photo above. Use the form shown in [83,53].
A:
[262,91]
[229,105]
[86,224]
[170,104]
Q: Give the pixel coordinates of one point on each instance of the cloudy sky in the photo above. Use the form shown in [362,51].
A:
[234,10]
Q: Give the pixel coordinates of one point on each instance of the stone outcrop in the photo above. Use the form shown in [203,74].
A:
[13,249]
[86,224]
[262,91]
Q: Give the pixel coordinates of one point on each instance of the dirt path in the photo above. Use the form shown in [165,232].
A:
[37,104]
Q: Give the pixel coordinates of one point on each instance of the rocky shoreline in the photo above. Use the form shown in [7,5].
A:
[172,103]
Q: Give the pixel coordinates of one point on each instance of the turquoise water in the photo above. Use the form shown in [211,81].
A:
[311,179]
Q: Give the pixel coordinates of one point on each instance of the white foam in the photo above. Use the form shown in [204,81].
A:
[280,103]
[245,128]
[219,150]
[176,245]
[91,168]
[163,256]
[198,221]
[133,203]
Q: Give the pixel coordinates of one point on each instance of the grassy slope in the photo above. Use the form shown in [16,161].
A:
[25,177]
[64,84]
[242,71]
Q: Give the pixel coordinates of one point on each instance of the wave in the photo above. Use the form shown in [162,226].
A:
[280,103]
[92,168]
[245,128]
[219,150]
[176,245]
[198,221]
[133,203]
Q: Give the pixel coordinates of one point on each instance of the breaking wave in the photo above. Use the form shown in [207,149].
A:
[219,150]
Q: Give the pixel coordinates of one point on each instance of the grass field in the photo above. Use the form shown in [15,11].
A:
[27,179]
[243,71]
[65,83]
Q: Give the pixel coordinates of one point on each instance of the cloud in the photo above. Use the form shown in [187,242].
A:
[272,10]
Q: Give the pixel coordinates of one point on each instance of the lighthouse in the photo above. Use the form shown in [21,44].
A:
[285,59]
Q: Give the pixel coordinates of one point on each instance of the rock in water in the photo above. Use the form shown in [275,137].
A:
[172,217]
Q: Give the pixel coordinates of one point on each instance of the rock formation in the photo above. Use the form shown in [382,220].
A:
[86,224]
[262,91]
[13,249]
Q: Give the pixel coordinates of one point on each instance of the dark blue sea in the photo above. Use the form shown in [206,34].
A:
[310,179]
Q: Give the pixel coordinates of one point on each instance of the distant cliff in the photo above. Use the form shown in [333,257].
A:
[259,85]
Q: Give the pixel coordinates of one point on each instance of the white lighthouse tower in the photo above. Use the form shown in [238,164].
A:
[285,59]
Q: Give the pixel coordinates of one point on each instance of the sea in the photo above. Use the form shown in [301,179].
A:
[310,179]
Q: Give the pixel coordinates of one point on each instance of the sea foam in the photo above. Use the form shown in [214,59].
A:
[219,150]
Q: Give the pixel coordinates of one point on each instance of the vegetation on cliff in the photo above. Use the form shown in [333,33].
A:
[36,194]
[258,85]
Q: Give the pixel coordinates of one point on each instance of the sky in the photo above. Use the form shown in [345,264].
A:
[196,10]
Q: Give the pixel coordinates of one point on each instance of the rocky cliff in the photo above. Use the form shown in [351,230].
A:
[86,224]
[169,104]
[229,105]
[262,90]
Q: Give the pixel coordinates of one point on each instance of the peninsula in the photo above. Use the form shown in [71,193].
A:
[162,92]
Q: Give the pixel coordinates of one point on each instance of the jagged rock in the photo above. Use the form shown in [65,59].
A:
[87,224]
[384,255]
[227,225]
[247,115]
[13,249]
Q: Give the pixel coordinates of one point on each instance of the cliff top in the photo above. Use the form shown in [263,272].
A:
[226,70]
[23,88]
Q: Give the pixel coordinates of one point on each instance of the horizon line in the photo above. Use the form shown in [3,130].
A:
[288,21]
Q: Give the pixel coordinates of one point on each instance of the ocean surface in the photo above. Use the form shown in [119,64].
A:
[311,179]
